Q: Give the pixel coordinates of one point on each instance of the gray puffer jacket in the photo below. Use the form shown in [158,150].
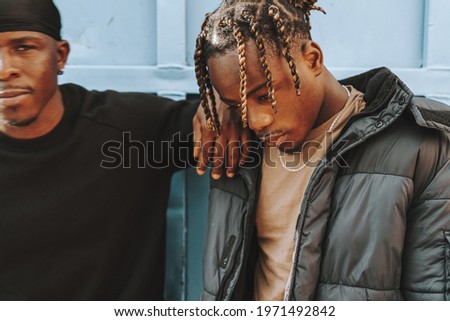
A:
[375,220]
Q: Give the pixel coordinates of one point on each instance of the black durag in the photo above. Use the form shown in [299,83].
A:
[30,15]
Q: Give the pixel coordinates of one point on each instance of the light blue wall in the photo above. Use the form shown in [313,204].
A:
[147,45]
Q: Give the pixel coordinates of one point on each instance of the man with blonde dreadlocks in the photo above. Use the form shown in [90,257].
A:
[351,200]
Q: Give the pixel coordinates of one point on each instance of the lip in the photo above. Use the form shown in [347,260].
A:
[12,97]
[13,93]
[271,138]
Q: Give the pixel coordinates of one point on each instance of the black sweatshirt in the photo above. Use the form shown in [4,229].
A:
[82,209]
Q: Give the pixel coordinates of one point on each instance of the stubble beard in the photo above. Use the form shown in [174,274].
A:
[11,123]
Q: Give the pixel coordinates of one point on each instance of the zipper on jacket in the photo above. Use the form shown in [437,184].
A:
[290,282]
[240,242]
[301,216]
[227,252]
[224,263]
[318,170]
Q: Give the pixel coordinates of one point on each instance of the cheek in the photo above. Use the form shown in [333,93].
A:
[45,72]
[42,78]
[299,118]
[45,61]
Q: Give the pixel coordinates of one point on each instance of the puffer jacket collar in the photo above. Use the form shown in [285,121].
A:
[386,97]
[379,85]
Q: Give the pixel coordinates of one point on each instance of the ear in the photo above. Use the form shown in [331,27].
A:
[62,53]
[312,53]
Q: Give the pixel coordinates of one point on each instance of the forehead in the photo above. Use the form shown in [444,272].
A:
[225,73]
[229,60]
[11,36]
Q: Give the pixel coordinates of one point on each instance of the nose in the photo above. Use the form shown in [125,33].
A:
[260,117]
[7,70]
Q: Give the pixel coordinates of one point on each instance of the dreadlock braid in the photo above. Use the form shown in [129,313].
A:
[254,28]
[202,76]
[242,72]
[214,122]
[274,12]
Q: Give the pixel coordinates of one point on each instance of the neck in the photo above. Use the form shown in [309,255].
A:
[334,100]
[47,119]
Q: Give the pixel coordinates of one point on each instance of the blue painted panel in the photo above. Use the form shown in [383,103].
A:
[438,29]
[113,32]
[171,32]
[175,284]
[196,10]
[197,190]
[357,33]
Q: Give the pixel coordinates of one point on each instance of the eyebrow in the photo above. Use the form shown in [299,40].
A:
[249,93]
[25,39]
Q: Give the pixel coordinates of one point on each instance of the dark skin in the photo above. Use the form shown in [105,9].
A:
[30,101]
[31,104]
[321,97]
[212,149]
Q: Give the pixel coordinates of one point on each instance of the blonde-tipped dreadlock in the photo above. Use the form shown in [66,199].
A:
[242,71]
[204,82]
[271,23]
[274,13]
[254,28]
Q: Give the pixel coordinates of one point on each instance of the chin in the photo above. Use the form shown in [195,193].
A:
[19,123]
[289,147]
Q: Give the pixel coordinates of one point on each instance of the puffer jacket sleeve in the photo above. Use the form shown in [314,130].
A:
[426,253]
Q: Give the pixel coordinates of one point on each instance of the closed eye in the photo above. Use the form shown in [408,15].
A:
[24,48]
[263,97]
